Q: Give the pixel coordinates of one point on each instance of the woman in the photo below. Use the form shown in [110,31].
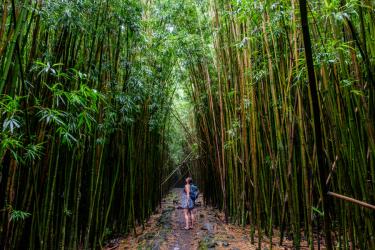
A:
[188,204]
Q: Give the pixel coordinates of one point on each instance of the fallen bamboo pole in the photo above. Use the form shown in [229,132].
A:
[340,196]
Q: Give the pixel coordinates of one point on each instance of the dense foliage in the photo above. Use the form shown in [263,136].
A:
[254,110]
[84,103]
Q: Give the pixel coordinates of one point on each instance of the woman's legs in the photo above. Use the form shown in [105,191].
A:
[192,217]
[186,212]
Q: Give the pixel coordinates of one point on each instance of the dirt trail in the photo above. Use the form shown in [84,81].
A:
[164,231]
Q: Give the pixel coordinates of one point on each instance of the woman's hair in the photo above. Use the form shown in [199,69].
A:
[189,180]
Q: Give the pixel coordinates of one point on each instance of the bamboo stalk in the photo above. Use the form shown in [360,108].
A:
[346,198]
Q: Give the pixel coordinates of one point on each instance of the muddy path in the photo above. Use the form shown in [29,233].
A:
[165,231]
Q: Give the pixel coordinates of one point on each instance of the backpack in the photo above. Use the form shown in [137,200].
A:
[193,192]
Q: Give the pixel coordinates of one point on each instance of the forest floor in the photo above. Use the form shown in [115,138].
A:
[165,231]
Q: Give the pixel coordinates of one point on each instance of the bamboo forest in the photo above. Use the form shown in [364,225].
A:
[108,105]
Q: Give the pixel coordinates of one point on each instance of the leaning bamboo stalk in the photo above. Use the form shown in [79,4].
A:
[352,200]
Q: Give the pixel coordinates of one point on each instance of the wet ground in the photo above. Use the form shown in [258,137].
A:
[165,231]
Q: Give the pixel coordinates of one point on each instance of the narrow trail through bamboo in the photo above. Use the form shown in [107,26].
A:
[164,231]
